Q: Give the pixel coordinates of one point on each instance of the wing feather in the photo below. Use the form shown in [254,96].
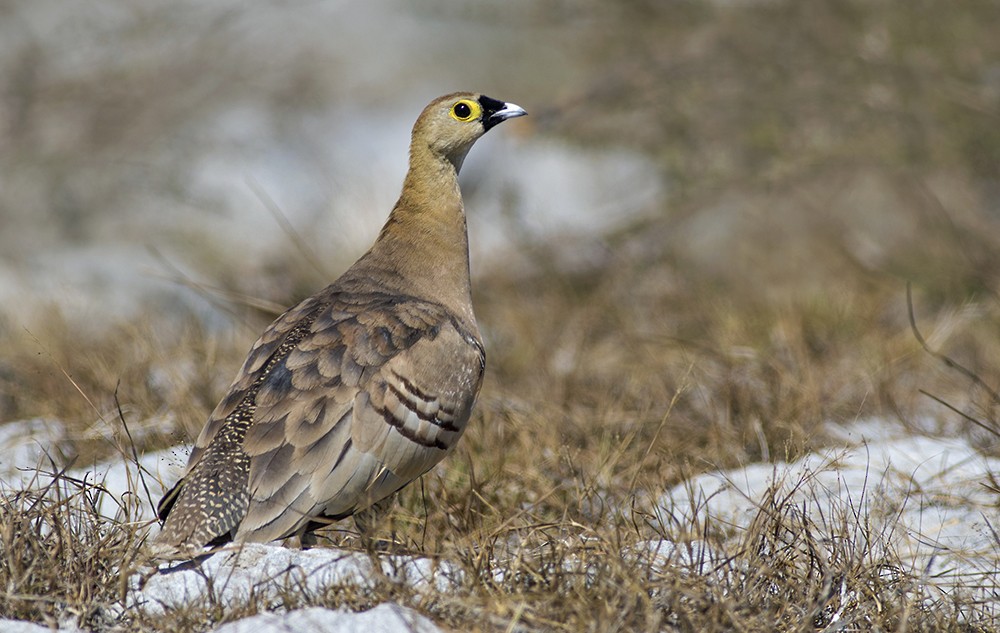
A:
[352,397]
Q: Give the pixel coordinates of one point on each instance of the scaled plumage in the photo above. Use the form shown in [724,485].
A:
[361,388]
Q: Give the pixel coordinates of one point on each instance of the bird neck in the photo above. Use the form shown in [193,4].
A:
[424,245]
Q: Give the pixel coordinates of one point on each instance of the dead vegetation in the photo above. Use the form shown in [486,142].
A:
[821,156]
[62,561]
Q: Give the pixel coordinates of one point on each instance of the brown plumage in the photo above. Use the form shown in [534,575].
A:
[361,388]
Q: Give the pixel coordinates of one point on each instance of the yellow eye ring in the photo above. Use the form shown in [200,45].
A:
[466,110]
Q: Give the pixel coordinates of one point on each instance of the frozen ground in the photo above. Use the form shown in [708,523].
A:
[182,177]
[106,204]
[385,618]
[925,496]
[185,184]
[548,189]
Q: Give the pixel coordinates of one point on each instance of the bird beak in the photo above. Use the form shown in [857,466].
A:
[509,111]
[497,111]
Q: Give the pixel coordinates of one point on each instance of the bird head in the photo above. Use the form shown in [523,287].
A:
[451,124]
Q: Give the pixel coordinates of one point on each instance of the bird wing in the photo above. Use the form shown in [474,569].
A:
[374,394]
[210,499]
[284,332]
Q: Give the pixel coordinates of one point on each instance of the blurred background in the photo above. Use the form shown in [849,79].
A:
[700,238]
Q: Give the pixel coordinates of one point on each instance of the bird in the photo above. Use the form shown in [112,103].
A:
[361,388]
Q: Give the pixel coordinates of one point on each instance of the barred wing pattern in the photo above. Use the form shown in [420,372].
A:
[344,400]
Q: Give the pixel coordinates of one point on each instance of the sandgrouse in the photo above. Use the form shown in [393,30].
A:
[359,389]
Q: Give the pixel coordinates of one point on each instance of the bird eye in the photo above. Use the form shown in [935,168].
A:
[465,110]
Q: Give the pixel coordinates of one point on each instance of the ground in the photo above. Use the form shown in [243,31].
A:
[736,273]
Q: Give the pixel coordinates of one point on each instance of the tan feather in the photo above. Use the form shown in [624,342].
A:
[361,388]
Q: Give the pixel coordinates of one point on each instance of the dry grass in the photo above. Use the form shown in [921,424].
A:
[162,375]
[822,155]
[533,571]
[61,560]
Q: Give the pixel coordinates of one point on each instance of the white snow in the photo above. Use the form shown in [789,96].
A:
[26,445]
[156,471]
[267,570]
[263,571]
[334,172]
[385,618]
[538,189]
[31,451]
[18,626]
[926,496]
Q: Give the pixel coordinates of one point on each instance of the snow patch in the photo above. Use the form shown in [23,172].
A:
[927,495]
[265,571]
[18,626]
[25,450]
[385,618]
[26,445]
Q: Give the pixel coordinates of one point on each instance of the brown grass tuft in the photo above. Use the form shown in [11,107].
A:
[819,157]
[61,560]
